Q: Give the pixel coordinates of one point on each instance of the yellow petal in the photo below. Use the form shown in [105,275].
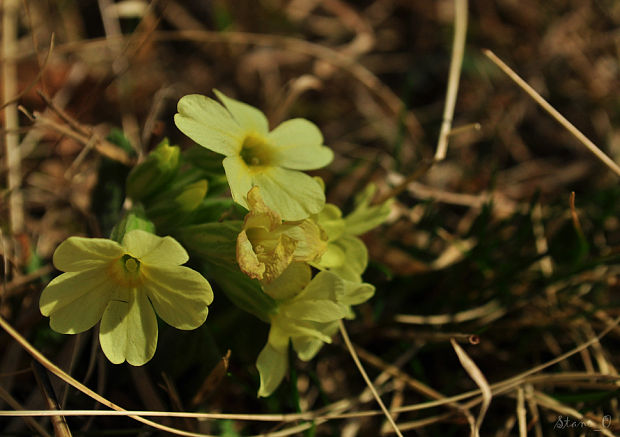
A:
[277,260]
[179,295]
[154,250]
[356,256]
[314,310]
[75,301]
[310,243]
[128,330]
[249,118]
[355,293]
[292,194]
[299,145]
[247,259]
[260,215]
[333,257]
[330,220]
[272,365]
[290,282]
[239,179]
[77,253]
[209,124]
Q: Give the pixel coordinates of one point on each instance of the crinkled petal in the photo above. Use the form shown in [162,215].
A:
[209,124]
[260,215]
[75,301]
[151,249]
[290,282]
[310,242]
[78,253]
[247,259]
[314,310]
[128,330]
[249,118]
[180,295]
[278,259]
[239,179]
[292,194]
[272,365]
[299,145]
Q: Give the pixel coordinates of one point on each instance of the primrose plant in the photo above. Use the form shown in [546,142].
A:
[274,247]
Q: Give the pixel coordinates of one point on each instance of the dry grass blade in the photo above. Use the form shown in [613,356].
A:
[553,112]
[521,412]
[474,372]
[347,341]
[458,49]
[11,121]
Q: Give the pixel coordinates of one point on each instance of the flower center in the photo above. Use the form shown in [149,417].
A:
[255,152]
[126,271]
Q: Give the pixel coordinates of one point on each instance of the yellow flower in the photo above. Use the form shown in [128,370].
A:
[266,246]
[256,156]
[347,255]
[307,315]
[123,285]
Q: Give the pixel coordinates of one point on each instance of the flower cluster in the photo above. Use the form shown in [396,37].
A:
[276,249]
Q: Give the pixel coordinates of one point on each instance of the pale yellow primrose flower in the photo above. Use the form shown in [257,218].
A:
[257,157]
[347,255]
[307,315]
[266,246]
[123,285]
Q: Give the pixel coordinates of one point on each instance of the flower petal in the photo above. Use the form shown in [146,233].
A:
[325,285]
[151,249]
[209,124]
[307,347]
[331,221]
[239,179]
[272,365]
[355,293]
[356,255]
[333,257]
[180,295]
[78,253]
[75,301]
[292,194]
[247,259]
[128,330]
[290,282]
[299,145]
[314,310]
[248,117]
[311,242]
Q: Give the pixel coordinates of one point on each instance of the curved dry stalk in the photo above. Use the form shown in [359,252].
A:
[456,62]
